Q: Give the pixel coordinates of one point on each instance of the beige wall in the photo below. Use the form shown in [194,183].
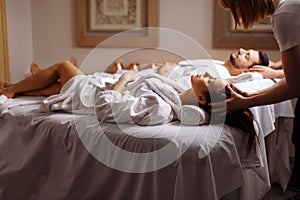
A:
[51,25]
[19,37]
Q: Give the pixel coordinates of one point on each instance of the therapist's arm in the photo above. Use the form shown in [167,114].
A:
[291,65]
[274,94]
[276,65]
[284,90]
[267,72]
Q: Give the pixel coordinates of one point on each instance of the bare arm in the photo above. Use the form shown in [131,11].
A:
[274,94]
[274,70]
[164,67]
[291,65]
[276,65]
[124,79]
[283,90]
[267,72]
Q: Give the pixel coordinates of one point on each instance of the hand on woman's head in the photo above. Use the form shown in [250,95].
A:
[235,102]
[205,86]
[218,94]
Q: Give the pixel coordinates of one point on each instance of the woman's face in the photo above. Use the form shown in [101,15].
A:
[202,84]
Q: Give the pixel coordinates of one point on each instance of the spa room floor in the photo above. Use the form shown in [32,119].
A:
[276,193]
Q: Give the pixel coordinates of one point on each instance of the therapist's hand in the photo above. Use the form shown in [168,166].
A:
[234,103]
[266,72]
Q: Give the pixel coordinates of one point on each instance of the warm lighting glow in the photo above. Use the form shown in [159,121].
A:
[116,67]
[119,66]
[135,67]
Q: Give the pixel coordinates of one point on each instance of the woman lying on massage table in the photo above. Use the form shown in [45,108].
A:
[147,100]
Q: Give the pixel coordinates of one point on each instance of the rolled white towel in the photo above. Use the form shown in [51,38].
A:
[193,115]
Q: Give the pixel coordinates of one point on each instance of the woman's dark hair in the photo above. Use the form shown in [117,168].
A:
[241,119]
[248,12]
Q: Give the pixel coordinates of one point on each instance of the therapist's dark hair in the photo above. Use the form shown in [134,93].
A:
[248,12]
[241,119]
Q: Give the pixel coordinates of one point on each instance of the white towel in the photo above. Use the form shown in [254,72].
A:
[247,76]
[193,115]
[6,103]
[177,86]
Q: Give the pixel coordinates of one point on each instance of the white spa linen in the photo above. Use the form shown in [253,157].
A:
[7,103]
[78,93]
[214,67]
[4,104]
[244,77]
[193,115]
[151,99]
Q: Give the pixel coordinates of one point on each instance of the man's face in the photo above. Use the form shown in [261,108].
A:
[244,59]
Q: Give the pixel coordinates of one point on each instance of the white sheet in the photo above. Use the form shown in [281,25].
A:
[227,154]
[6,103]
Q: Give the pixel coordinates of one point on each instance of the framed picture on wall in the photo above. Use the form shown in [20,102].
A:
[260,36]
[98,20]
[116,15]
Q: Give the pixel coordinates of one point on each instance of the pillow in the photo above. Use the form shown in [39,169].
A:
[193,115]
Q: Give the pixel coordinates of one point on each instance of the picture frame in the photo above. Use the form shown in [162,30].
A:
[226,36]
[99,20]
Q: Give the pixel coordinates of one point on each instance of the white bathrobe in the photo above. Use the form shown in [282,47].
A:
[150,100]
